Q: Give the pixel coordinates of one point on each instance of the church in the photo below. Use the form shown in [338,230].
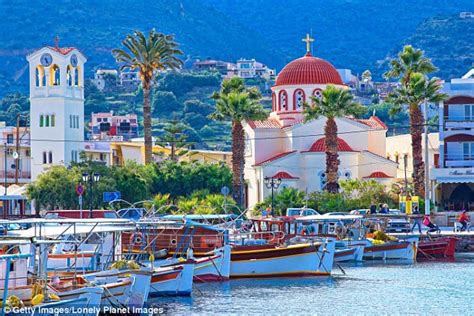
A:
[284,147]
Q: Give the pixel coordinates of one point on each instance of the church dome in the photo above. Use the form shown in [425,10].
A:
[308,70]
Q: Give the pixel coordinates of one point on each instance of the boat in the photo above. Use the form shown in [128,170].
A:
[437,247]
[352,231]
[268,249]
[17,288]
[179,241]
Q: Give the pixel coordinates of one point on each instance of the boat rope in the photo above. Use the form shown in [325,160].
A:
[217,269]
[340,268]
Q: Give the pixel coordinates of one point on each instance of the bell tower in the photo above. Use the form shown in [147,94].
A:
[56,106]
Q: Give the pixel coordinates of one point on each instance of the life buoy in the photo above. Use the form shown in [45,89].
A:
[136,239]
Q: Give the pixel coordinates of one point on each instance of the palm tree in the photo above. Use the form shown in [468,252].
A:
[147,55]
[411,68]
[335,102]
[237,103]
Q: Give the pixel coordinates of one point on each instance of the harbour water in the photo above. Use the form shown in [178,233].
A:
[441,288]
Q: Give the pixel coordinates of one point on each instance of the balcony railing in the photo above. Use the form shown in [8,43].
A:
[11,175]
[458,122]
[459,161]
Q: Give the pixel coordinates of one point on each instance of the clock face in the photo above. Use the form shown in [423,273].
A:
[74,60]
[46,60]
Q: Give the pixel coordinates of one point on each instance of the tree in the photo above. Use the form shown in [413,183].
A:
[411,68]
[334,103]
[175,138]
[156,52]
[237,103]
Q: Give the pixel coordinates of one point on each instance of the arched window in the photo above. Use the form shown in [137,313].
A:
[76,77]
[50,157]
[54,75]
[53,120]
[283,101]
[40,77]
[69,75]
[273,102]
[41,120]
[318,93]
[298,99]
[77,121]
[47,121]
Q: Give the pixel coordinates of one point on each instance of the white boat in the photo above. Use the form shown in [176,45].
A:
[352,253]
[215,267]
[172,278]
[313,259]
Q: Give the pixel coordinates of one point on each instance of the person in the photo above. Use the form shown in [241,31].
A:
[432,227]
[373,209]
[383,208]
[463,220]
[269,210]
[416,219]
[380,207]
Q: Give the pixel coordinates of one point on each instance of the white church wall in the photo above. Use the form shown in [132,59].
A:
[377,142]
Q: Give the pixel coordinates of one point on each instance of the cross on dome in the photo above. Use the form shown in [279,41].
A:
[308,41]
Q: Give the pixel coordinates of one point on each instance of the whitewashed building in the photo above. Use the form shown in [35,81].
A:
[57,107]
[285,147]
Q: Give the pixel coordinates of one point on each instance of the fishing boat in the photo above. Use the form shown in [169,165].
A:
[19,289]
[352,231]
[82,253]
[264,249]
[182,241]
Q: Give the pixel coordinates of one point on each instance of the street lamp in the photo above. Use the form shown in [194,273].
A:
[90,179]
[273,184]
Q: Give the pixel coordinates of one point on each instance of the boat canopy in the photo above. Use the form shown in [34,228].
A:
[328,218]
[195,217]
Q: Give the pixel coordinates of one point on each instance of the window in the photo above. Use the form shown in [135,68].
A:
[469,111]
[10,139]
[69,75]
[99,120]
[54,75]
[50,156]
[283,101]
[70,121]
[77,121]
[45,158]
[41,120]
[273,102]
[318,93]
[47,121]
[76,76]
[298,99]
[53,120]
[102,156]
[40,77]
[468,150]
[27,153]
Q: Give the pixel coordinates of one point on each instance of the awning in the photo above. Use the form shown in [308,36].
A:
[467,179]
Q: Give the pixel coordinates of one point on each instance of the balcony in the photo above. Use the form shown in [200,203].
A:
[23,176]
[461,123]
[459,161]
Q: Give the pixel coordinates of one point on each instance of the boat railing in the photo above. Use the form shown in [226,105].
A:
[156,240]
[272,237]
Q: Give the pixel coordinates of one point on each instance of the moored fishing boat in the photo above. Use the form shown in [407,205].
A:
[438,247]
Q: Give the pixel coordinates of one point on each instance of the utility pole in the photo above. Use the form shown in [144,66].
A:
[405,162]
[427,168]
[17,148]
[5,167]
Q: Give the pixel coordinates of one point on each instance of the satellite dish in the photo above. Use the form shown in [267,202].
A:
[15,155]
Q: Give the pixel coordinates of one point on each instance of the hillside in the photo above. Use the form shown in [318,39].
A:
[356,34]
[449,41]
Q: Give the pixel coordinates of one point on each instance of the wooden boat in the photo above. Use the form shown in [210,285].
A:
[314,259]
[172,279]
[441,247]
[352,253]
[206,245]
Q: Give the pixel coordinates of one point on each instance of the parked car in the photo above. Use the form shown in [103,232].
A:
[301,211]
[362,211]
[397,224]
[336,214]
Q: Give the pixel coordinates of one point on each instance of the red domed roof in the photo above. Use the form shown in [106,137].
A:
[308,70]
[320,145]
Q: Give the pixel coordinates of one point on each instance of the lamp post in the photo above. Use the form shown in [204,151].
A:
[273,184]
[90,179]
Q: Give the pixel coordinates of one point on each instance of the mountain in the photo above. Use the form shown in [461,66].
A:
[449,41]
[355,34]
